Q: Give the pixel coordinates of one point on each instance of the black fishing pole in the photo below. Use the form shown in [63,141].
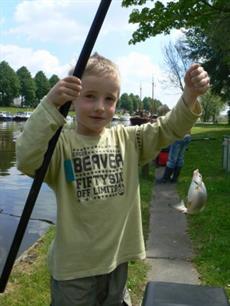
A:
[40,173]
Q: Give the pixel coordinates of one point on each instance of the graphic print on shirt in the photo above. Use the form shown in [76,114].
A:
[98,172]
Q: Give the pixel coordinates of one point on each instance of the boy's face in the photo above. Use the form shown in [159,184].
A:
[96,104]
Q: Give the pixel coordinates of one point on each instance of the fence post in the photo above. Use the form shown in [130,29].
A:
[226,153]
[228,156]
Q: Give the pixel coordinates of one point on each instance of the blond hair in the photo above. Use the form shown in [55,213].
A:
[98,65]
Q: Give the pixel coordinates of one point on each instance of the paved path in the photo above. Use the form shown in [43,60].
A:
[169,250]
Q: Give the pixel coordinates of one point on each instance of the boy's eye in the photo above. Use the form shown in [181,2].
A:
[89,96]
[110,99]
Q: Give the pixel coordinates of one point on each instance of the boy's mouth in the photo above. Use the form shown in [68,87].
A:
[96,117]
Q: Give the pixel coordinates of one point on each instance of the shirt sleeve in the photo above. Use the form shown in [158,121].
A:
[32,144]
[152,137]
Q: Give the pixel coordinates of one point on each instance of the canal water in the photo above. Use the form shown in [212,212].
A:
[14,189]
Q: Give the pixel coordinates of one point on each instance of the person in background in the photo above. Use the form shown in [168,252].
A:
[94,173]
[162,156]
[175,160]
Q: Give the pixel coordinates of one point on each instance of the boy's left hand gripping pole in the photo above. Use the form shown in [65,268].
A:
[40,173]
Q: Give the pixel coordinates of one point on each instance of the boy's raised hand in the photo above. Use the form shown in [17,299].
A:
[196,83]
[64,90]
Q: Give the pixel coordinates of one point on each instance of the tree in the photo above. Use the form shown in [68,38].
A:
[122,98]
[125,102]
[177,63]
[151,105]
[42,85]
[200,48]
[136,101]
[27,87]
[161,18]
[131,103]
[202,15]
[211,105]
[163,110]
[53,80]
[157,104]
[9,84]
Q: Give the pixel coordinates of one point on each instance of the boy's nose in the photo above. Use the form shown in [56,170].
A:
[99,105]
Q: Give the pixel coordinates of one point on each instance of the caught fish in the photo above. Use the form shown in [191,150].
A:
[197,196]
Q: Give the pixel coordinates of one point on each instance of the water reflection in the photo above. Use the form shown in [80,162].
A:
[7,147]
[14,189]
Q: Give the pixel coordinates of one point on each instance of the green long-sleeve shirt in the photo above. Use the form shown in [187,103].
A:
[95,180]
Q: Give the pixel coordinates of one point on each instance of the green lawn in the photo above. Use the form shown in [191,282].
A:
[210,230]
[14,110]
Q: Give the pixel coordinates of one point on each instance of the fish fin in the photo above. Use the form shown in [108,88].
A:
[180,207]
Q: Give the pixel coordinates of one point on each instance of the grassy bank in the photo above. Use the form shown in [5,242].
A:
[29,282]
[210,230]
[138,270]
[15,109]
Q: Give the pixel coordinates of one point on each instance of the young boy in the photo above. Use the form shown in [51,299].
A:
[94,174]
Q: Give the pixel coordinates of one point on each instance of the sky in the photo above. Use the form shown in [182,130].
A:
[48,35]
